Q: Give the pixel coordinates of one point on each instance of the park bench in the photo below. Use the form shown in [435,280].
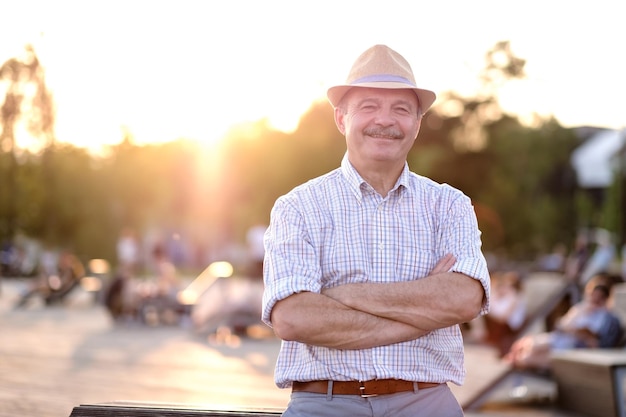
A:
[591,381]
[139,409]
[594,380]
[543,292]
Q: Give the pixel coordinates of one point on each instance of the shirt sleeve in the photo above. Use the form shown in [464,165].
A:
[460,236]
[291,264]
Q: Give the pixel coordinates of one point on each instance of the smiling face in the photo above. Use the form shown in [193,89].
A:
[380,125]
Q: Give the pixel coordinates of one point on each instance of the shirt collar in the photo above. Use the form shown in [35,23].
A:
[356,181]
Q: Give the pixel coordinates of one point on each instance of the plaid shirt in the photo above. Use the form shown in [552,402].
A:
[335,230]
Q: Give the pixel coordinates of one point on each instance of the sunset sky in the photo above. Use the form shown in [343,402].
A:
[189,68]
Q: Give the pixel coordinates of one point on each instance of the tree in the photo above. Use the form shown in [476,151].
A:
[518,177]
[28,103]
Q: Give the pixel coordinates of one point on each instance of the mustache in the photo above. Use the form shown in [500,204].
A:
[391,133]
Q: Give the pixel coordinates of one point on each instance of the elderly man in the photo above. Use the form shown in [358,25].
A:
[370,268]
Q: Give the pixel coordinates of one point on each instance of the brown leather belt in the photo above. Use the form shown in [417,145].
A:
[363,388]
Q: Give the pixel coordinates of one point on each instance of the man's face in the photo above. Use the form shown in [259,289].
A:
[380,125]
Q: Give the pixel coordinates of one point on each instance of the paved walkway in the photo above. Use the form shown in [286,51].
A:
[55,358]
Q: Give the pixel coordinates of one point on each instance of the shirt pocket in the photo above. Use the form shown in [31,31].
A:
[414,263]
[344,257]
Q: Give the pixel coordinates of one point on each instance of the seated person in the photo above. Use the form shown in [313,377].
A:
[508,310]
[587,324]
[55,282]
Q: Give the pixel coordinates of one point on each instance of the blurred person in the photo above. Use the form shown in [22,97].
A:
[507,311]
[128,251]
[587,324]
[601,258]
[555,260]
[609,279]
[54,284]
[575,262]
[48,260]
[159,298]
[7,251]
[577,258]
[256,249]
[370,269]
[118,297]
[167,283]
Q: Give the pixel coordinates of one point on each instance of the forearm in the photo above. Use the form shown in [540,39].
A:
[316,319]
[430,303]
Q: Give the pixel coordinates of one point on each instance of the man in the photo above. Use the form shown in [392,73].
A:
[370,268]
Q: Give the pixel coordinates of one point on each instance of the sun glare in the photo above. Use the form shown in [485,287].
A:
[200,77]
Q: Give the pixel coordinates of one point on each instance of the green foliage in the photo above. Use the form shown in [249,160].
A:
[520,183]
[518,177]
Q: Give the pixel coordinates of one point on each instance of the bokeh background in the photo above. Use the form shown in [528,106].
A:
[182,122]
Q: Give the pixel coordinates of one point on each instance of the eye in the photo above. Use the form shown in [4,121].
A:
[368,105]
[402,110]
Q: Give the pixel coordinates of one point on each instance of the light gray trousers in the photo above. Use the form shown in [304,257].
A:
[430,402]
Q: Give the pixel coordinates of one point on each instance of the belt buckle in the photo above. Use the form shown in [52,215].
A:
[362,389]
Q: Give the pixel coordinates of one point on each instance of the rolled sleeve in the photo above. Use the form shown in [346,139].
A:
[291,264]
[474,269]
[462,238]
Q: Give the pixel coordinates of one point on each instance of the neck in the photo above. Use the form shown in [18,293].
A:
[382,177]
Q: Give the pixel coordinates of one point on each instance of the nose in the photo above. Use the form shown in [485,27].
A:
[385,117]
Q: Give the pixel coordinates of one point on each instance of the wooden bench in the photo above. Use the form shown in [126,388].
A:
[591,381]
[140,409]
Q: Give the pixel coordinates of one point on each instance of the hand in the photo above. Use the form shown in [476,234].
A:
[444,264]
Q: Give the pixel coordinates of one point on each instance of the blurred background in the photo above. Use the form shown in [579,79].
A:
[179,124]
[143,144]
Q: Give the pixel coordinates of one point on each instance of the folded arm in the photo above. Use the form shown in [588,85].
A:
[329,320]
[316,319]
[439,300]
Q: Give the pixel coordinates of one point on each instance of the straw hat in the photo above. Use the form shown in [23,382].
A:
[381,67]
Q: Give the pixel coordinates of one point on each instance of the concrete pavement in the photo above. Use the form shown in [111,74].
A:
[55,358]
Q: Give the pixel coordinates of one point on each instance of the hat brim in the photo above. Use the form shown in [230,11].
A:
[426,97]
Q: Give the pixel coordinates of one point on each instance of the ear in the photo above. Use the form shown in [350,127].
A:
[419,125]
[339,120]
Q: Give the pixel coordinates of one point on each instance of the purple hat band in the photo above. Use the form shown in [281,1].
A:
[384,78]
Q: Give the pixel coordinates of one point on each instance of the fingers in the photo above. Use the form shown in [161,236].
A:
[444,264]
